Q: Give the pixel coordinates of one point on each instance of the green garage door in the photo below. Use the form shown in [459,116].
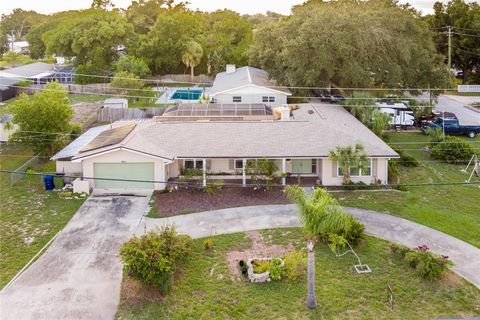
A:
[128,171]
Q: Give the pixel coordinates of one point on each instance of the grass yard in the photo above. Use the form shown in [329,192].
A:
[29,216]
[200,293]
[77,97]
[451,209]
[6,106]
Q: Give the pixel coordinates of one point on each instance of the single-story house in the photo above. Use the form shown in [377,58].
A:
[40,73]
[19,47]
[7,127]
[148,154]
[246,85]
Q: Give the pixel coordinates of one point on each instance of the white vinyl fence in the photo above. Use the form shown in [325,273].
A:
[469,88]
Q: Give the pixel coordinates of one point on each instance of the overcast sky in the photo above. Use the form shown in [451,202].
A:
[242,6]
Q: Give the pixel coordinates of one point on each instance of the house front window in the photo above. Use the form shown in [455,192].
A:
[304,166]
[356,171]
[268,99]
[237,99]
[238,164]
[192,164]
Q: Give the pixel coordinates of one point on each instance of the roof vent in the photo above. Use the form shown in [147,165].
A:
[230,68]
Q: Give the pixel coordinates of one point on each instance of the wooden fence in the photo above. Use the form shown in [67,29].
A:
[202,78]
[112,115]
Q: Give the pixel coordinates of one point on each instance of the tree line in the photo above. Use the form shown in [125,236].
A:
[344,43]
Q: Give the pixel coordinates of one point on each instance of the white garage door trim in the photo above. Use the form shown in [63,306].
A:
[144,171]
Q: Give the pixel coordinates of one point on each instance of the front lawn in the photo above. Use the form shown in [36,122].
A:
[29,216]
[451,209]
[205,288]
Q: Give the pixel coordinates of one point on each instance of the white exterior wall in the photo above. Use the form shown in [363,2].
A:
[6,133]
[251,94]
[121,156]
[68,167]
[330,176]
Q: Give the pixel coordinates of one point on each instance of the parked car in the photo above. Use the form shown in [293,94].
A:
[432,118]
[453,127]
[336,99]
[459,75]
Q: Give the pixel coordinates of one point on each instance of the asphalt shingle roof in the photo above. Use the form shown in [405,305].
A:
[313,131]
[27,71]
[241,77]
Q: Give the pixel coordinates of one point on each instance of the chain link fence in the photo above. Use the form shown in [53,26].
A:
[32,163]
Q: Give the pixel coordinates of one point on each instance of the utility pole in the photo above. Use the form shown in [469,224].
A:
[449,32]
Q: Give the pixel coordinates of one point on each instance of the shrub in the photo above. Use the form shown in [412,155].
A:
[393,171]
[455,150]
[405,159]
[355,234]
[429,265]
[436,135]
[213,187]
[276,270]
[355,185]
[295,265]
[208,244]
[261,266]
[154,256]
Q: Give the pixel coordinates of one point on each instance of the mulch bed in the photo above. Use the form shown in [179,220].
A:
[188,201]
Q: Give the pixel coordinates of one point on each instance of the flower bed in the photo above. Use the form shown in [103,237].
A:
[264,269]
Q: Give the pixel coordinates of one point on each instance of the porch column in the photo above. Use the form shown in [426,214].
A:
[244,172]
[284,172]
[204,172]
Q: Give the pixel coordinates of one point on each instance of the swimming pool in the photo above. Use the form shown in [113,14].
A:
[187,95]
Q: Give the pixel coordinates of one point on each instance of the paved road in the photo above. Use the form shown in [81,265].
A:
[456,104]
[398,230]
[79,276]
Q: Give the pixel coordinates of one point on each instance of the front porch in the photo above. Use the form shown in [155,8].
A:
[306,172]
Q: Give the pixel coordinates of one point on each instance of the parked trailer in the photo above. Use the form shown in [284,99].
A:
[401,115]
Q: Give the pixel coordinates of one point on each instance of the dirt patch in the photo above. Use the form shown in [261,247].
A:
[189,201]
[85,113]
[136,293]
[258,249]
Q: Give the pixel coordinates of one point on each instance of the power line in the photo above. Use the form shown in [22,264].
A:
[467,35]
[468,51]
[429,184]
[285,87]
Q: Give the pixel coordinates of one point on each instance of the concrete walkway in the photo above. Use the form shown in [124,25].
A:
[203,224]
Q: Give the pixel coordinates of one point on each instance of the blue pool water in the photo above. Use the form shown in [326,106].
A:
[187,95]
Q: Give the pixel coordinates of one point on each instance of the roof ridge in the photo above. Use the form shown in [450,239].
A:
[249,76]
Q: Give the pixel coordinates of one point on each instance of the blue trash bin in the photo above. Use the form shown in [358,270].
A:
[49,182]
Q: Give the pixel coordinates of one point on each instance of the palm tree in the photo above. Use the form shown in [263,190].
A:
[320,215]
[349,157]
[192,56]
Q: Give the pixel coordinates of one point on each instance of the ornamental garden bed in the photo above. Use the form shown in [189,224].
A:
[184,201]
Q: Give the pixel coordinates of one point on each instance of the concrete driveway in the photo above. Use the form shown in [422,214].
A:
[79,276]
[457,105]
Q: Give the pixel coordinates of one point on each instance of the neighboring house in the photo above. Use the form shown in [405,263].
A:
[221,142]
[246,85]
[64,165]
[7,127]
[39,73]
[20,47]
[116,103]
[401,115]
